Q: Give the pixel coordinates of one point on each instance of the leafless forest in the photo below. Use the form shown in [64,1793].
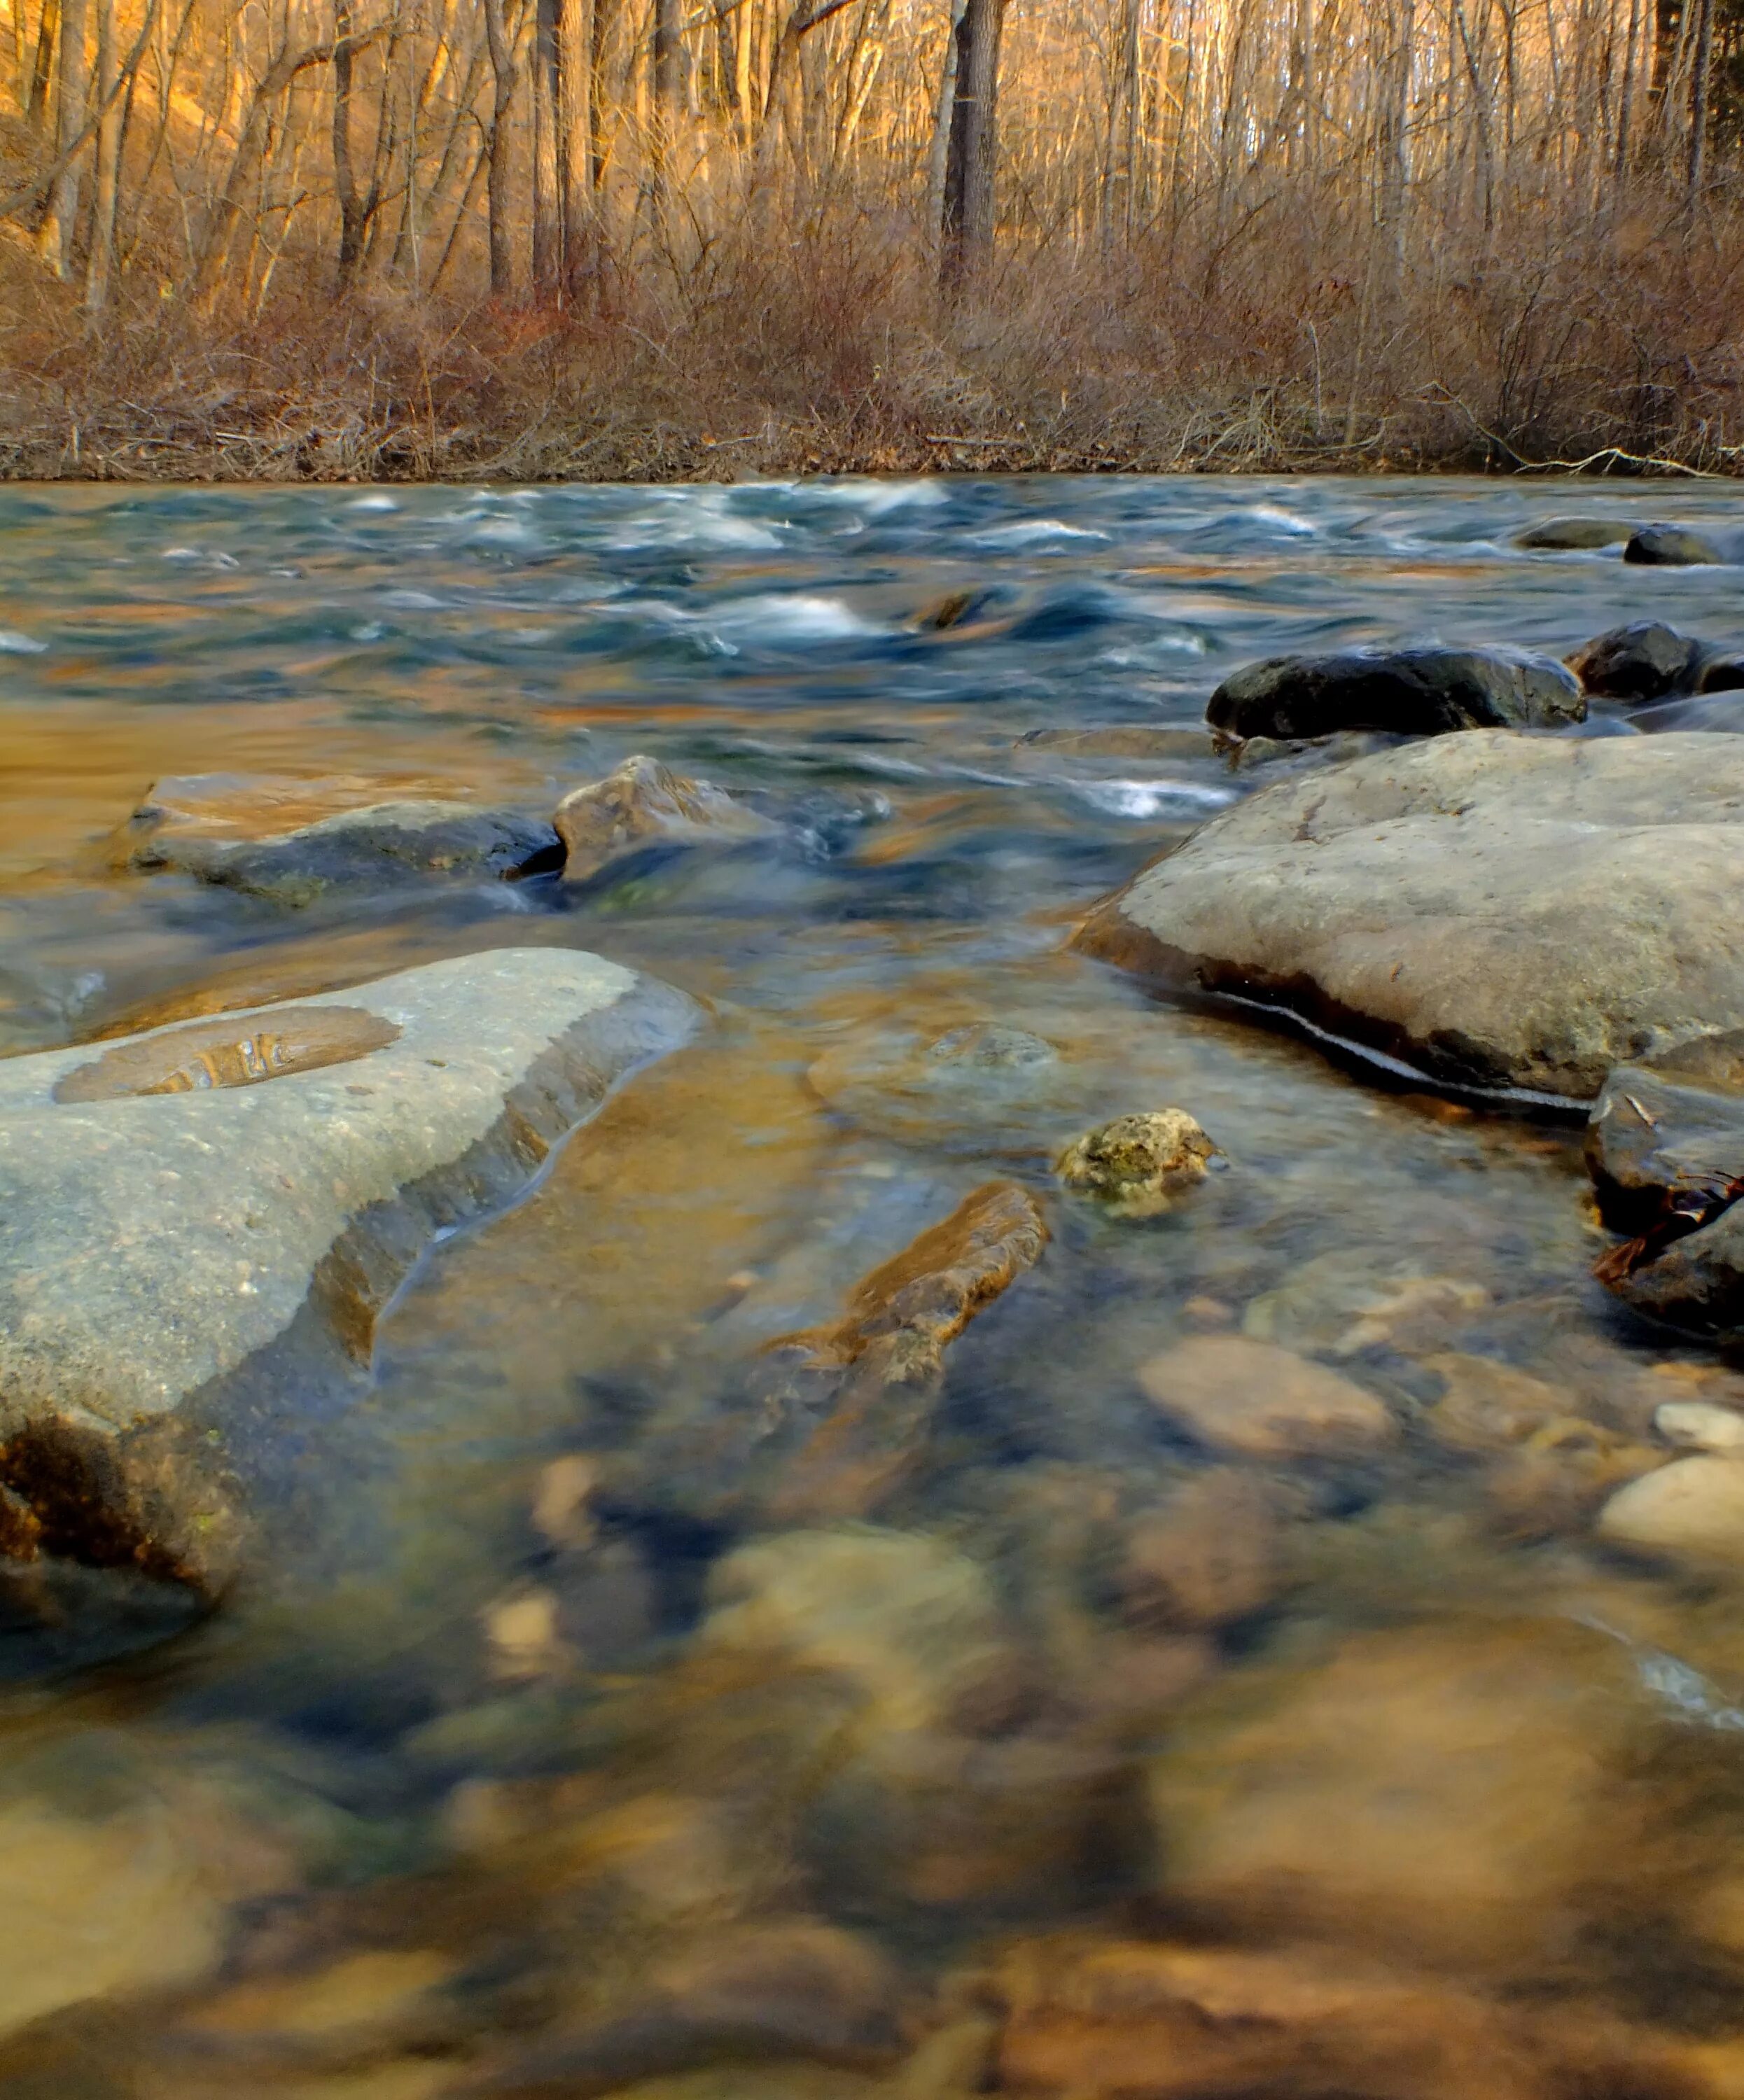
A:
[664,237]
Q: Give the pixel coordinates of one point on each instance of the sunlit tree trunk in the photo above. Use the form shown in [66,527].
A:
[99,263]
[498,202]
[972,158]
[55,238]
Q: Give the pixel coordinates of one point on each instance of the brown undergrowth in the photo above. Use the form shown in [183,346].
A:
[1612,347]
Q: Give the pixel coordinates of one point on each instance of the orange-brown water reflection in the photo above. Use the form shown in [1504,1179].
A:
[548,1754]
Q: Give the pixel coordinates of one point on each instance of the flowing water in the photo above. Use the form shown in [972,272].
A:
[469,1788]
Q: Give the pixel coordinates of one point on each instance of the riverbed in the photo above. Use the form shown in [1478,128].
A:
[474,1784]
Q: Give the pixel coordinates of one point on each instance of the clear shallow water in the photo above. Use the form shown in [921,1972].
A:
[542,1782]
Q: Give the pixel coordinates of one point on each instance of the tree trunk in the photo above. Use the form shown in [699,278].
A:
[575,129]
[100,262]
[938,157]
[42,70]
[548,239]
[55,238]
[498,203]
[971,160]
[1701,65]
[344,172]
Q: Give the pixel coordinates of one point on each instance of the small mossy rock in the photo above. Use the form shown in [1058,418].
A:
[196,1234]
[1644,661]
[644,803]
[1692,1509]
[1139,1165]
[1404,692]
[1511,914]
[1575,533]
[1254,1400]
[1671,546]
[1665,1146]
[235,835]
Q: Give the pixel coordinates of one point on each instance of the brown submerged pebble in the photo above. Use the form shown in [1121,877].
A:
[1256,1401]
[1138,1165]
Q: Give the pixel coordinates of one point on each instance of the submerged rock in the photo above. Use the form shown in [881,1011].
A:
[1644,661]
[1139,1165]
[1258,1402]
[1406,692]
[1487,911]
[642,804]
[1448,1792]
[1576,532]
[1665,1148]
[1119,740]
[1692,1509]
[1699,1425]
[1671,546]
[869,1382]
[1210,1553]
[1163,2020]
[256,835]
[192,1220]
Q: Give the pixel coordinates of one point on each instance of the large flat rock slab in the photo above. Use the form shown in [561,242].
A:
[1488,910]
[197,1221]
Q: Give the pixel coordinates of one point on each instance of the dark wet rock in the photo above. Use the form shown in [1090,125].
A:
[1487,910]
[1255,1401]
[1119,740]
[247,834]
[1405,692]
[1721,672]
[190,1231]
[1162,2020]
[1572,533]
[1139,1166]
[1642,662]
[974,607]
[1210,1552]
[645,804]
[1671,546]
[1665,1150]
[1451,1791]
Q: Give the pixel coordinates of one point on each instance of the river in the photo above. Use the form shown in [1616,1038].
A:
[465,1791]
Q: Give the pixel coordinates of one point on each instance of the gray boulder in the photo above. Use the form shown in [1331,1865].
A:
[246,835]
[1665,1150]
[1671,547]
[1485,910]
[1644,661]
[1578,533]
[197,1222]
[1403,692]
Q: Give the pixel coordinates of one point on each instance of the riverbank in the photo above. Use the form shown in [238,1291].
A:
[841,361]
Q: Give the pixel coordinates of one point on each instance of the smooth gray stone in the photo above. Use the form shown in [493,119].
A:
[386,843]
[1491,912]
[1575,533]
[173,1264]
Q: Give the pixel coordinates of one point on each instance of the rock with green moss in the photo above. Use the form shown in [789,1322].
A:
[1140,1165]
